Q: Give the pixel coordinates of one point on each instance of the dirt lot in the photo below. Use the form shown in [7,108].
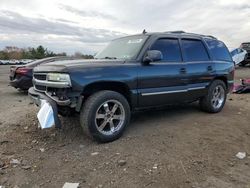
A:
[175,147]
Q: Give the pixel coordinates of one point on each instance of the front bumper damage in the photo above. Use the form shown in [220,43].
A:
[37,97]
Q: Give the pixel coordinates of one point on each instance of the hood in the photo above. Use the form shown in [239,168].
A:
[66,66]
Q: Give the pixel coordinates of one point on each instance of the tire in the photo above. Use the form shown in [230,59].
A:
[105,114]
[215,99]
[243,63]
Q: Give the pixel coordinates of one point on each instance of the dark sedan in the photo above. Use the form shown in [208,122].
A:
[21,75]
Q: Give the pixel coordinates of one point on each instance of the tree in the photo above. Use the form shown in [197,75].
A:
[3,55]
[78,54]
[13,52]
[84,56]
[40,52]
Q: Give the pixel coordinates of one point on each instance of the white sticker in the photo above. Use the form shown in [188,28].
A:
[45,115]
[134,41]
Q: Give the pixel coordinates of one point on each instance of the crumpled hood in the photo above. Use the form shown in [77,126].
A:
[66,66]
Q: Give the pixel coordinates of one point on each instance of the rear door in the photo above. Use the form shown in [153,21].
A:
[163,82]
[200,69]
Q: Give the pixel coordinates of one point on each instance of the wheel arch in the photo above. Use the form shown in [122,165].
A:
[222,78]
[116,86]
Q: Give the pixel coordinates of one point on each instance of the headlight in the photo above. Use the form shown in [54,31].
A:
[58,77]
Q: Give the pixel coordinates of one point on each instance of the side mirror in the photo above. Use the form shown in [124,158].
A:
[152,55]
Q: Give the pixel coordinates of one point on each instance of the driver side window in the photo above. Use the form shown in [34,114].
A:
[169,48]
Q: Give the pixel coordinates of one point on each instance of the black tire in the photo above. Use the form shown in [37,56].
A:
[243,63]
[96,103]
[208,104]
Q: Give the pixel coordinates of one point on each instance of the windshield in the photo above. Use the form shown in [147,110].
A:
[123,48]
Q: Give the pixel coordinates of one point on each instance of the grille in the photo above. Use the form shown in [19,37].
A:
[248,56]
[40,76]
[246,45]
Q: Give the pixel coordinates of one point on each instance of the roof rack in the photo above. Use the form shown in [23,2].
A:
[175,32]
[210,36]
[183,32]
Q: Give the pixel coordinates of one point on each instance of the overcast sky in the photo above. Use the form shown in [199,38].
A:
[87,25]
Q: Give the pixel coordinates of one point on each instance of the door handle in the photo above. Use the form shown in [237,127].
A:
[183,71]
[209,68]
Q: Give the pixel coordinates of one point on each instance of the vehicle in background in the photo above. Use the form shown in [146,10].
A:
[21,75]
[239,55]
[133,73]
[246,46]
[4,62]
[16,62]
[25,61]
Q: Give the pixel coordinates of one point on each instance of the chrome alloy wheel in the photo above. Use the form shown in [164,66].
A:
[218,97]
[110,117]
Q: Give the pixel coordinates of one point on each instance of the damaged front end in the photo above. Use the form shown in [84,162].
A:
[56,90]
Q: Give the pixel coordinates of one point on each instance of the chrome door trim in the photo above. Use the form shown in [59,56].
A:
[174,91]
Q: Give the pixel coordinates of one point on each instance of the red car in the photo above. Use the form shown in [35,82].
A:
[21,75]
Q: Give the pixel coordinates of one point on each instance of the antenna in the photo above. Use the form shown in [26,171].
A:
[144,31]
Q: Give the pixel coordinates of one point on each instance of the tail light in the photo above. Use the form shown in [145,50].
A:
[22,71]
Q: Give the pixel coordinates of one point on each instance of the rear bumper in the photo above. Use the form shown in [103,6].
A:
[23,82]
[37,97]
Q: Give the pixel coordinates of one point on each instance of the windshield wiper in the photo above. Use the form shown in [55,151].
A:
[107,57]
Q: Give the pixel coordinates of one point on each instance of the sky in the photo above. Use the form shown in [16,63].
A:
[87,25]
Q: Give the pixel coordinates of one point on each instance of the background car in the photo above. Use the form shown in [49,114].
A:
[239,55]
[246,46]
[21,75]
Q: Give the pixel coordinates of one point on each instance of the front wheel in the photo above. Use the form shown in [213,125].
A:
[216,97]
[106,115]
[243,63]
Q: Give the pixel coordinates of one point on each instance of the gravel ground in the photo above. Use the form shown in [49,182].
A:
[174,147]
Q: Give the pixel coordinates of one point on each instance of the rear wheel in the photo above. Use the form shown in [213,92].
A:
[216,97]
[106,115]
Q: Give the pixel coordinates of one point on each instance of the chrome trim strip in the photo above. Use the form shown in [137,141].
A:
[163,92]
[175,91]
[51,84]
[196,88]
[40,73]
[230,81]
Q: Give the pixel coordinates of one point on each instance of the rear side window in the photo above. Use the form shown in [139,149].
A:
[194,50]
[169,48]
[218,50]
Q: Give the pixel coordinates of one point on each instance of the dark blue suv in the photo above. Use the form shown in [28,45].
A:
[133,73]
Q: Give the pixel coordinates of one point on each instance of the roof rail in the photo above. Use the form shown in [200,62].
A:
[175,32]
[210,36]
[183,32]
